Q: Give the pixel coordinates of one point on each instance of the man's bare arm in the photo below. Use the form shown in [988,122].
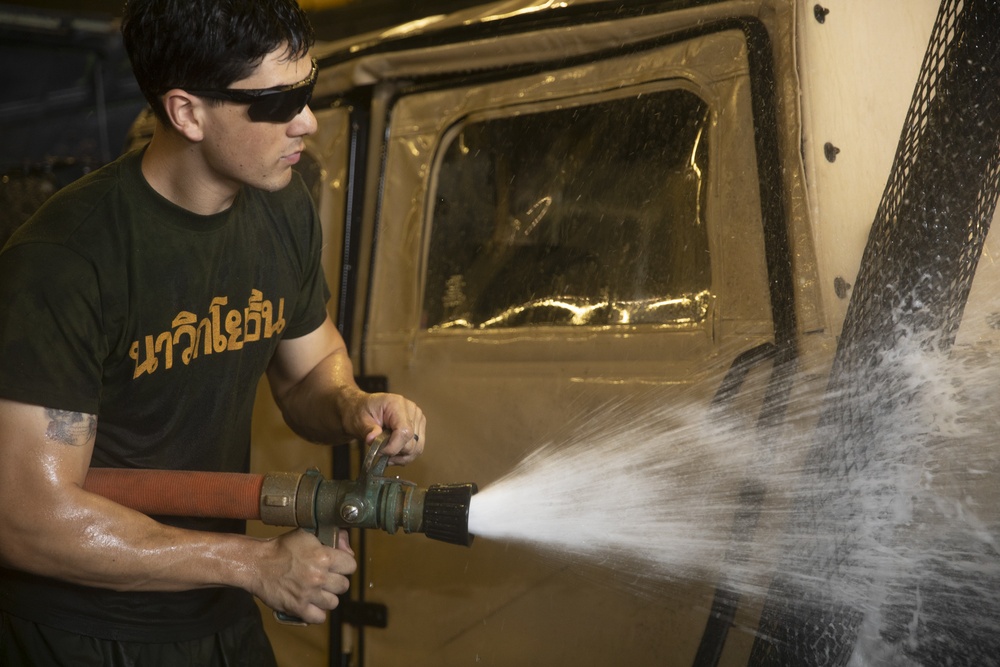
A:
[52,527]
[312,381]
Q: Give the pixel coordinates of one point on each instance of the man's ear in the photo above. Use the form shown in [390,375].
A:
[184,111]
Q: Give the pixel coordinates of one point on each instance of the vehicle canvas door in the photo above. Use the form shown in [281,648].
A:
[557,251]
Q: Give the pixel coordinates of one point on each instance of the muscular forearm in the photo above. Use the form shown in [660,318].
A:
[49,525]
[320,406]
[89,540]
[78,537]
[329,408]
[312,381]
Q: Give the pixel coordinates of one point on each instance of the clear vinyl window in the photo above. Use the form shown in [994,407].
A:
[587,215]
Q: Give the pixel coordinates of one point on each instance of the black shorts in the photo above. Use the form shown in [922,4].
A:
[27,644]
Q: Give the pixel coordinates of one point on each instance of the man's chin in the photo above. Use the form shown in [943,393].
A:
[278,182]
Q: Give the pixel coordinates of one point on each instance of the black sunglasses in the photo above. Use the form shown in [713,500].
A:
[269,105]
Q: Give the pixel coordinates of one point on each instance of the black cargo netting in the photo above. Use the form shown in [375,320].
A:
[915,277]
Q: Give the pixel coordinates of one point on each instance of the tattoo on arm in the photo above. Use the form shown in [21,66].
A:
[70,428]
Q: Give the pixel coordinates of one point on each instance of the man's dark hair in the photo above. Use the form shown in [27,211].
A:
[207,44]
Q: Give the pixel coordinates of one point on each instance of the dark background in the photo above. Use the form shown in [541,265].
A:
[349,18]
[68,98]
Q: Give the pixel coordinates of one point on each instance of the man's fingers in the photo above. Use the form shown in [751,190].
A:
[405,420]
[410,443]
[311,575]
[344,543]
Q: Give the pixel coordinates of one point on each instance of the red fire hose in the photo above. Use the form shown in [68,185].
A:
[221,495]
[304,500]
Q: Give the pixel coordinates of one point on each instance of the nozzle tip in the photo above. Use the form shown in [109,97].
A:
[446,512]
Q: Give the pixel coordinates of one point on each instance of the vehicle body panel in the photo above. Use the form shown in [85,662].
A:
[785,228]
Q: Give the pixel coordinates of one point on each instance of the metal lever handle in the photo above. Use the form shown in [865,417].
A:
[373,467]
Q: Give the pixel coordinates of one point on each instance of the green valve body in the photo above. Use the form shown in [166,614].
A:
[371,501]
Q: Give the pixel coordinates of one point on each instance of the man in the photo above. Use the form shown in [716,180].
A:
[138,309]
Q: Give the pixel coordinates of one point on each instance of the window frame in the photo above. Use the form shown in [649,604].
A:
[611,93]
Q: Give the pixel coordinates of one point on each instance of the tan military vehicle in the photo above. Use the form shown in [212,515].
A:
[578,223]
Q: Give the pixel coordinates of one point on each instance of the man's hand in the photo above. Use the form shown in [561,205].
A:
[400,415]
[302,577]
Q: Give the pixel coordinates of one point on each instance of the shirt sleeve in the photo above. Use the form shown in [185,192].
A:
[51,330]
[315,292]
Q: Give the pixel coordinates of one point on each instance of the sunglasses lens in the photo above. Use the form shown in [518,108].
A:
[280,107]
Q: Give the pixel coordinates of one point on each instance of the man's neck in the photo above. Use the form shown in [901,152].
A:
[175,169]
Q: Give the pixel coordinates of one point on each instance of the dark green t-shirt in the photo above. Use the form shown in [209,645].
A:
[116,302]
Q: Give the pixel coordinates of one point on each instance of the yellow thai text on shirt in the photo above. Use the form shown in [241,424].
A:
[214,334]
